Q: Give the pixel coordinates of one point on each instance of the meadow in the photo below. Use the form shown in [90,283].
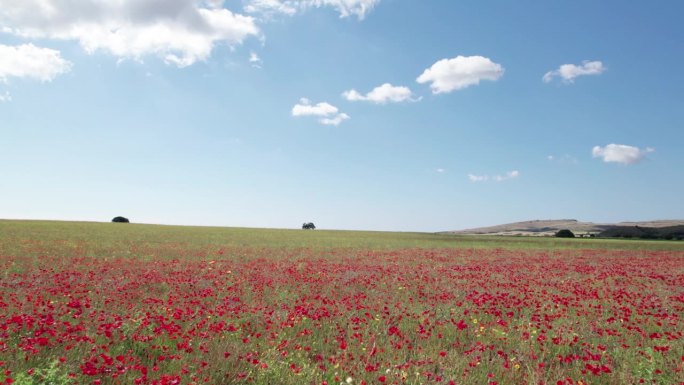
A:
[104,303]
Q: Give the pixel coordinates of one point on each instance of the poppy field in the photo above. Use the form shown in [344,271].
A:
[95,304]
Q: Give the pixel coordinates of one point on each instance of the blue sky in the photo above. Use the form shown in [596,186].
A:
[352,114]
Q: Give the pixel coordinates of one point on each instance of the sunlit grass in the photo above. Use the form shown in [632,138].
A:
[30,238]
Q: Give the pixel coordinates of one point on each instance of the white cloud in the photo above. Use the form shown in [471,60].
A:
[345,8]
[181,32]
[305,108]
[478,178]
[509,175]
[29,61]
[568,72]
[6,97]
[382,94]
[270,7]
[255,60]
[440,171]
[214,3]
[563,159]
[449,75]
[620,153]
[335,120]
[326,112]
[497,178]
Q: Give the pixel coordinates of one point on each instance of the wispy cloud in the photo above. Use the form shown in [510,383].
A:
[620,153]
[461,72]
[383,94]
[496,178]
[255,60]
[478,178]
[270,7]
[326,112]
[509,175]
[6,97]
[346,8]
[562,159]
[568,72]
[29,61]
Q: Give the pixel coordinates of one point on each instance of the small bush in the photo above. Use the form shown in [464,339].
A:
[120,220]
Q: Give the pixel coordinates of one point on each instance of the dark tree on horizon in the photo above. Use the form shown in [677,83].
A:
[565,233]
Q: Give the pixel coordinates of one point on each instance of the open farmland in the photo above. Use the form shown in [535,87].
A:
[90,303]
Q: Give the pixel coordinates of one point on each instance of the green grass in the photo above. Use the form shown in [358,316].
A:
[32,238]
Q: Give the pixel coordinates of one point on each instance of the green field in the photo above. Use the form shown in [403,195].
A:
[30,238]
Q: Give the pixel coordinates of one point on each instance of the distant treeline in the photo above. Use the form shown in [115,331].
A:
[670,233]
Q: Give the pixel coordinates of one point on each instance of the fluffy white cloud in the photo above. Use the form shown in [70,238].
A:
[620,153]
[305,108]
[449,75]
[346,8]
[29,61]
[181,32]
[335,120]
[6,97]
[383,94]
[497,178]
[326,112]
[568,72]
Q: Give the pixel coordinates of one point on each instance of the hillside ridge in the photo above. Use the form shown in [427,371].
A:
[545,227]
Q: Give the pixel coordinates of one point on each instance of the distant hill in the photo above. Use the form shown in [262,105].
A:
[551,226]
[669,232]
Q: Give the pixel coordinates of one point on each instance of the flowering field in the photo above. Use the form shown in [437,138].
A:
[184,313]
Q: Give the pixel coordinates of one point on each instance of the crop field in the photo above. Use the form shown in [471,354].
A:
[103,303]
